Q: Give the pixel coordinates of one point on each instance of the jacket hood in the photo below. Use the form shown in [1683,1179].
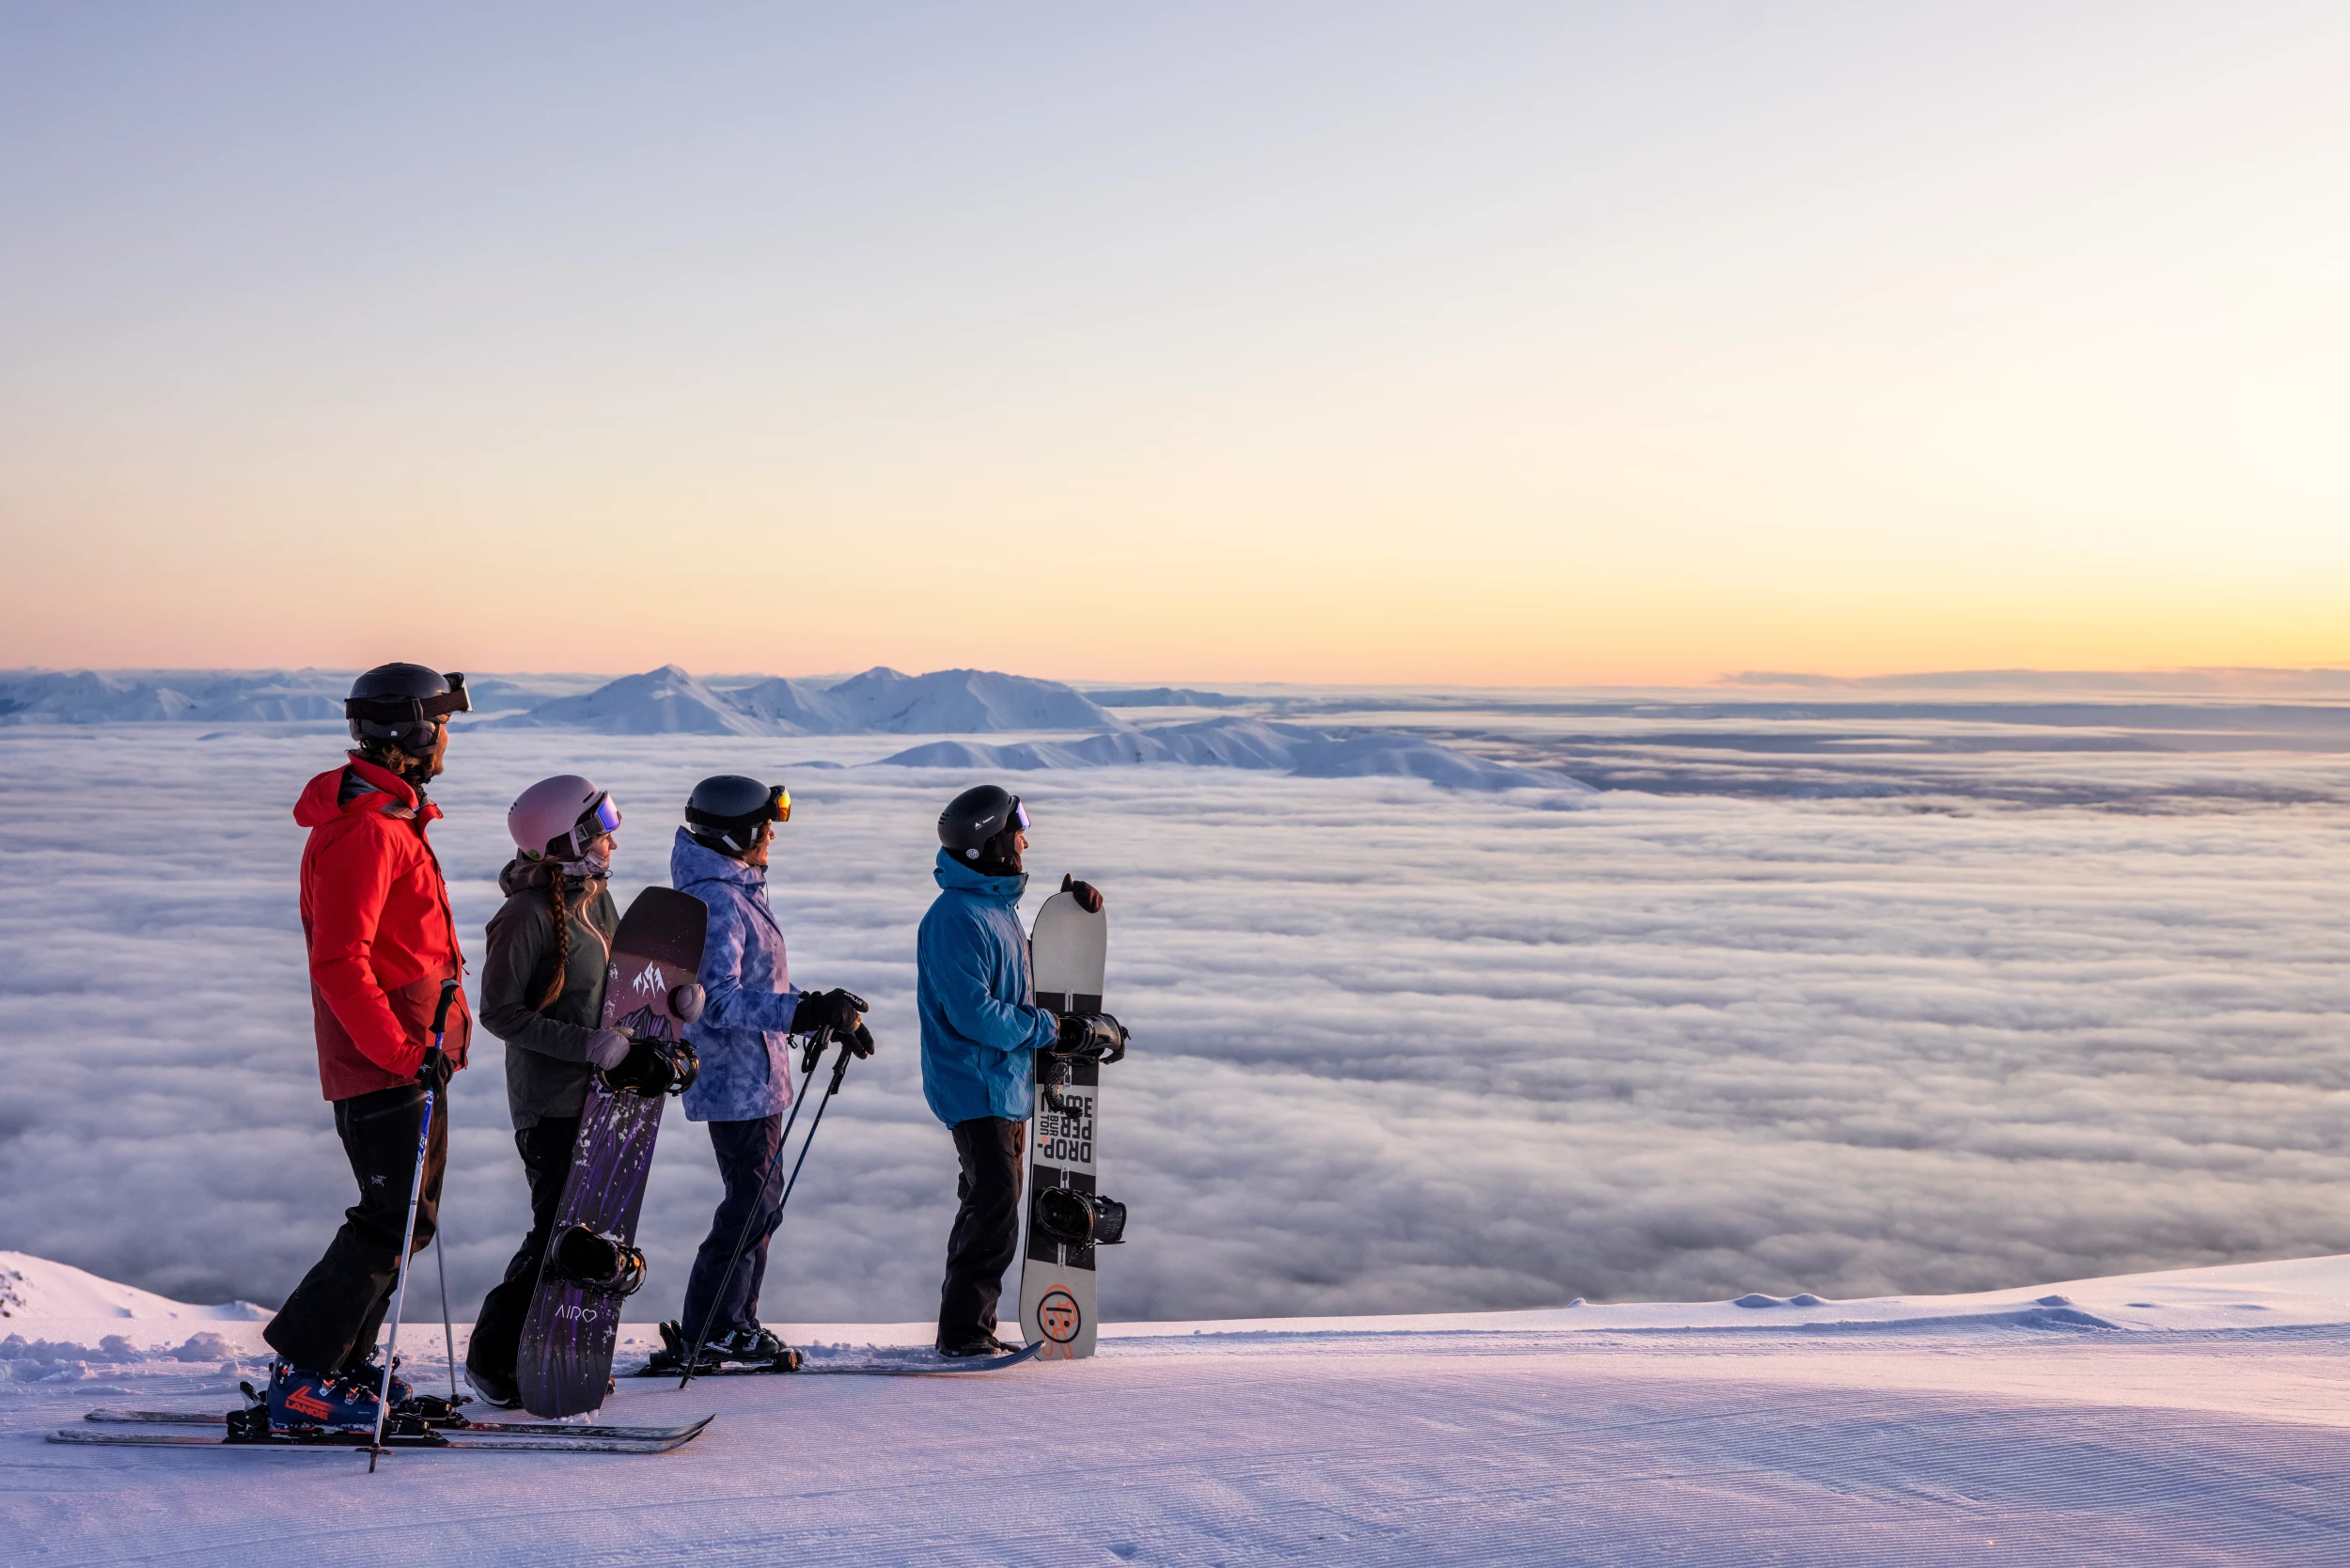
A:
[520,875]
[956,877]
[321,798]
[692,861]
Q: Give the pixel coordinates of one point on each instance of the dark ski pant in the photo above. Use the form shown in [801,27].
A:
[986,1236]
[331,1320]
[746,1164]
[498,1333]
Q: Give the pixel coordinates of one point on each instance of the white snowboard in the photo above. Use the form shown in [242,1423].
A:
[1066,950]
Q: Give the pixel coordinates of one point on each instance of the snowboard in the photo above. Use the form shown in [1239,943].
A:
[1067,951]
[565,1365]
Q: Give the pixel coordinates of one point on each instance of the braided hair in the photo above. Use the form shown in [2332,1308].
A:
[557,907]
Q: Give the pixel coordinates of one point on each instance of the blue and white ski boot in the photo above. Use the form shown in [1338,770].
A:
[301,1401]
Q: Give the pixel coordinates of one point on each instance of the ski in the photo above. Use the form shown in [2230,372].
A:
[358,1442]
[564,1430]
[939,1365]
[934,1366]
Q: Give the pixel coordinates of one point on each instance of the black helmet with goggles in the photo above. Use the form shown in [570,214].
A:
[402,705]
[723,813]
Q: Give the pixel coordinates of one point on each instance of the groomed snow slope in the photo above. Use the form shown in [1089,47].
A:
[2197,1417]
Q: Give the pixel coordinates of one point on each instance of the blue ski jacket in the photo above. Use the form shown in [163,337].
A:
[980,1024]
[743,1035]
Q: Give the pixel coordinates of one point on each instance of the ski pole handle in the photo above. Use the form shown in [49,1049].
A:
[433,1072]
[813,1052]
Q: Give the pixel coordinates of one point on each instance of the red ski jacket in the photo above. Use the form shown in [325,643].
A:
[375,915]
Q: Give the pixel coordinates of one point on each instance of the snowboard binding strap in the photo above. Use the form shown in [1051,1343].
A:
[596,1261]
[1077,1218]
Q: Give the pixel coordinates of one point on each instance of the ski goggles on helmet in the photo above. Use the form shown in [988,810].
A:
[412,710]
[780,804]
[1019,815]
[598,820]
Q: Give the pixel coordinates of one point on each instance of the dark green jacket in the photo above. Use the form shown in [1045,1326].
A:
[547,1051]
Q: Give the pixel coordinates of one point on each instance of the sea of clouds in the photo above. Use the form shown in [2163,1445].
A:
[1992,1016]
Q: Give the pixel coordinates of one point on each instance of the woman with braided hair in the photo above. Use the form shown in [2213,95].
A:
[542,995]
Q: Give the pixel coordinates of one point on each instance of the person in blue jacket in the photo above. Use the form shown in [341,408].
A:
[982,1030]
[749,1012]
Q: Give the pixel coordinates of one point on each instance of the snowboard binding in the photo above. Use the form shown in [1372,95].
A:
[654,1066]
[596,1261]
[1077,1218]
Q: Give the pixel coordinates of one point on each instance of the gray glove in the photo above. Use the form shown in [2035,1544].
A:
[608,1048]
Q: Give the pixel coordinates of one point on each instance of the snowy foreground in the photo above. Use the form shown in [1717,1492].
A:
[2195,1417]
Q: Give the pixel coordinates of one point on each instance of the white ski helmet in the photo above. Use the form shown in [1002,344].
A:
[560,817]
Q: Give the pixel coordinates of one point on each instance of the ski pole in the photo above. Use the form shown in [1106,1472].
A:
[839,1071]
[448,1329]
[408,1233]
[808,1054]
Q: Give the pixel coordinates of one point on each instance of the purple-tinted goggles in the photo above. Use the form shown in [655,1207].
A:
[1019,815]
[598,820]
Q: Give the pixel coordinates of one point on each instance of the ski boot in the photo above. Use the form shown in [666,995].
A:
[306,1403]
[745,1351]
[754,1350]
[498,1393]
[369,1372]
[986,1344]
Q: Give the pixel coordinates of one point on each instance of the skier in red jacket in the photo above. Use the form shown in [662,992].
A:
[376,917]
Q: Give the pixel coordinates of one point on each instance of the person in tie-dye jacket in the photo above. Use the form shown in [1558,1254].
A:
[749,1014]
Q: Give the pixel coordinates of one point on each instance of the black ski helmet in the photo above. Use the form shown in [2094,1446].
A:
[397,705]
[979,814]
[723,813]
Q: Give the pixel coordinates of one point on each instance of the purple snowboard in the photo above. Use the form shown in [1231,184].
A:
[565,1364]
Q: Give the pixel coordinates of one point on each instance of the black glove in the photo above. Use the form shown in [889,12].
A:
[862,1044]
[653,1067]
[434,1071]
[836,1010]
[1088,896]
[1096,1035]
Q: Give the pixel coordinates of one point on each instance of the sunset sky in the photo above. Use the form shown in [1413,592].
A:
[1475,343]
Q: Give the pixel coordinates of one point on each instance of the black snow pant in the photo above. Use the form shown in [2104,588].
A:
[498,1333]
[986,1236]
[331,1320]
[754,1182]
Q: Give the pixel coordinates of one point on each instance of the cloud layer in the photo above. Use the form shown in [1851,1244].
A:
[1398,1048]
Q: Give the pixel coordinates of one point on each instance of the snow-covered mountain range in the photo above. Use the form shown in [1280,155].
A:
[1242,743]
[668,701]
[880,701]
[227,695]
